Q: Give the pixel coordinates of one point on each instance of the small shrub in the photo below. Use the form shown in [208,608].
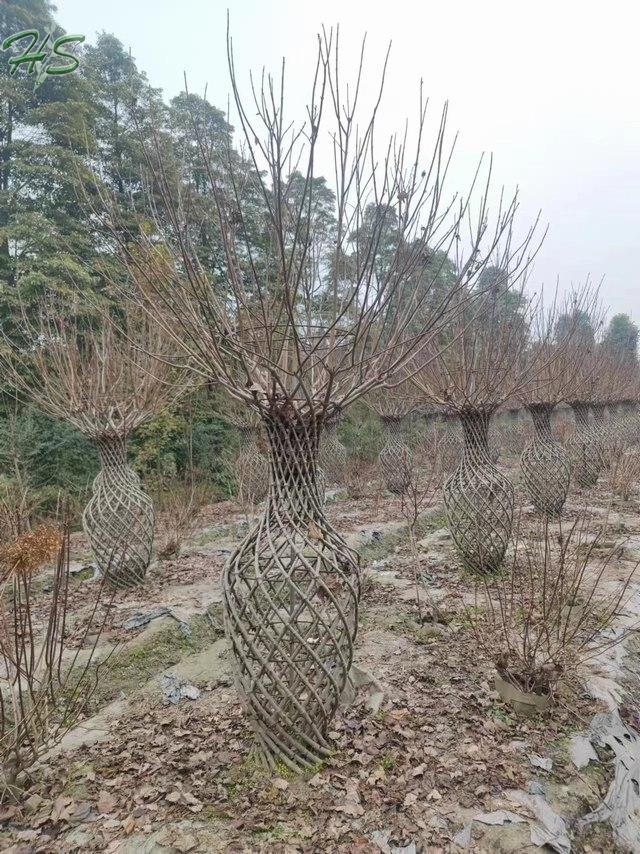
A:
[43,692]
[179,508]
[29,551]
[550,609]
[358,475]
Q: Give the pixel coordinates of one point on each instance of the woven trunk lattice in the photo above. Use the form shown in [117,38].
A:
[493,442]
[585,449]
[291,595]
[603,432]
[479,500]
[396,459]
[450,437]
[515,432]
[430,436]
[252,468]
[119,518]
[625,425]
[546,470]
[333,455]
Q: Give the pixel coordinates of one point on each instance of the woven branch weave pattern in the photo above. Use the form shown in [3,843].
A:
[119,518]
[516,433]
[603,431]
[450,441]
[291,593]
[396,458]
[333,454]
[625,425]
[479,500]
[546,471]
[252,468]
[585,448]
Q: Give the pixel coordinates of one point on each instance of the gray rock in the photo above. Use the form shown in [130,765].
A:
[543,762]
[581,751]
[175,689]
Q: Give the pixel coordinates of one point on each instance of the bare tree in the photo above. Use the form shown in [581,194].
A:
[251,466]
[615,393]
[513,429]
[480,364]
[450,440]
[556,365]
[396,458]
[106,376]
[552,609]
[418,496]
[45,684]
[298,328]
[332,454]
[585,446]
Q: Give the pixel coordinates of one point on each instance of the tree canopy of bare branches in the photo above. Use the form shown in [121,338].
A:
[106,379]
[106,376]
[343,285]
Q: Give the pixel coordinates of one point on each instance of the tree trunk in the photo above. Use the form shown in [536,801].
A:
[603,432]
[545,465]
[119,518]
[627,424]
[479,500]
[396,459]
[333,454]
[291,594]
[585,449]
[252,468]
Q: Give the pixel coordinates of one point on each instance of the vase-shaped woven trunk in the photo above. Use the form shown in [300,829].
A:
[494,441]
[333,454]
[515,432]
[512,429]
[602,429]
[252,468]
[450,441]
[479,500]
[585,448]
[396,459]
[627,425]
[546,471]
[291,592]
[119,518]
[430,436]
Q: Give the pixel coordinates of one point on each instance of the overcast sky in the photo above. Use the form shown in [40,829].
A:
[550,88]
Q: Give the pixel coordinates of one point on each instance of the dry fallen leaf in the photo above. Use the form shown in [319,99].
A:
[410,799]
[185,843]
[27,835]
[352,804]
[129,824]
[62,808]
[106,802]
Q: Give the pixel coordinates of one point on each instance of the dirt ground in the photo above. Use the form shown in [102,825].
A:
[424,749]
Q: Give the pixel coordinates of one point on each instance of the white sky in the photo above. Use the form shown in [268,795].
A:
[550,88]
